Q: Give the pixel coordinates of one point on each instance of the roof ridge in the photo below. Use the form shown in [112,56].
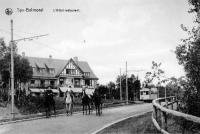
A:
[44,58]
[53,58]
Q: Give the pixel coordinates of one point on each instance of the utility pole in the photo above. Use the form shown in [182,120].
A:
[12,65]
[126,85]
[12,71]
[120,85]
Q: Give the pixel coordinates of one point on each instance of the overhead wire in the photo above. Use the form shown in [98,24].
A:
[35,42]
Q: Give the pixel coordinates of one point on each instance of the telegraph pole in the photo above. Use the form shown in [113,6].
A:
[12,64]
[9,11]
[126,85]
[12,71]
[120,85]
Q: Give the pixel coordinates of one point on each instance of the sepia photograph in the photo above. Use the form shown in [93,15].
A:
[100,67]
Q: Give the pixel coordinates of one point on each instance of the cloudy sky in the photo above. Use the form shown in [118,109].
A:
[104,33]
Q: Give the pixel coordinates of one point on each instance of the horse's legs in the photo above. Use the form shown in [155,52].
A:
[96,109]
[49,111]
[83,109]
[66,108]
[54,108]
[89,107]
[71,108]
[46,109]
[86,109]
[100,109]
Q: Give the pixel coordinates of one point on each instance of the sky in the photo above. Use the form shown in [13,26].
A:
[104,33]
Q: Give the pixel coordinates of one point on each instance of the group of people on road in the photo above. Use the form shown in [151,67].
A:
[69,101]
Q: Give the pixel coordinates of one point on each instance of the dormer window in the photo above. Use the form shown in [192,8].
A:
[51,70]
[41,70]
[34,69]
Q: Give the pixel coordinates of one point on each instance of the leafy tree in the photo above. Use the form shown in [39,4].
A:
[188,55]
[133,87]
[3,48]
[103,90]
[136,91]
[22,69]
[111,88]
[155,76]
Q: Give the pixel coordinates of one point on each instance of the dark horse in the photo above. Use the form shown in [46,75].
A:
[86,102]
[97,102]
[49,102]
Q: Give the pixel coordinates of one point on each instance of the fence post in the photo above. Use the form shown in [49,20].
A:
[155,112]
[166,103]
[164,120]
[177,104]
[172,105]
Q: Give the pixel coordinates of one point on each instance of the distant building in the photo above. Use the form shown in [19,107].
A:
[60,74]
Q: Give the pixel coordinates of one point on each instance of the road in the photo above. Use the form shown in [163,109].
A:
[75,124]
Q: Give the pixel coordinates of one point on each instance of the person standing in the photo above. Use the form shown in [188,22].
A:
[68,102]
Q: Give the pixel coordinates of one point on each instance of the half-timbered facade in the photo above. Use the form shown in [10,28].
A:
[61,73]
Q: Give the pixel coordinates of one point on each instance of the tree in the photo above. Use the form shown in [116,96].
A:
[3,48]
[103,90]
[123,86]
[133,86]
[22,69]
[111,88]
[156,75]
[136,87]
[188,55]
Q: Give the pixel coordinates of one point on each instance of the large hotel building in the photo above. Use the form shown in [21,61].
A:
[61,74]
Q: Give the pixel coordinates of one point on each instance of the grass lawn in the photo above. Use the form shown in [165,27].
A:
[135,125]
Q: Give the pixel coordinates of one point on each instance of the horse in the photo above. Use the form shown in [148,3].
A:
[98,102]
[85,102]
[49,103]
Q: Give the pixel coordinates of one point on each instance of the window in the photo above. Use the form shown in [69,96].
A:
[41,70]
[71,71]
[42,82]
[87,73]
[67,71]
[87,82]
[147,92]
[77,83]
[51,70]
[52,82]
[61,81]
[32,81]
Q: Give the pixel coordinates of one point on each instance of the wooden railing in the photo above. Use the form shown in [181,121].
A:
[161,112]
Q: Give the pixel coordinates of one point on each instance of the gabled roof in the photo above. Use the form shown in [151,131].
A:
[58,65]
[86,68]
[71,60]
